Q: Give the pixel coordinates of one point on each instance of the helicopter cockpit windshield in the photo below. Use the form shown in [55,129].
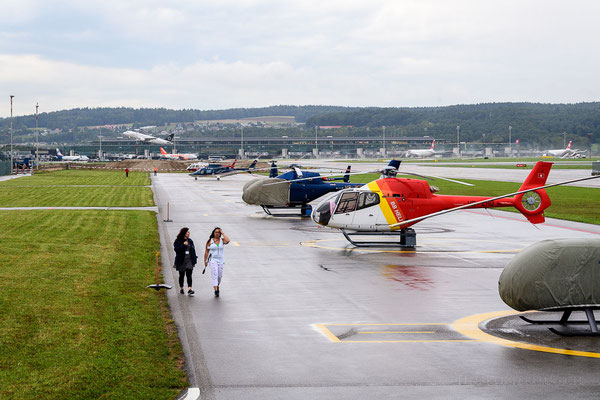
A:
[343,202]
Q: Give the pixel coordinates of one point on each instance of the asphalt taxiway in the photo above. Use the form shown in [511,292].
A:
[303,314]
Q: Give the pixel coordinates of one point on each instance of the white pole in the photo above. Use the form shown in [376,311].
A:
[37,142]
[316,144]
[510,140]
[11,134]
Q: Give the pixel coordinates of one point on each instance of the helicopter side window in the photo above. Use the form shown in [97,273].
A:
[367,200]
[347,203]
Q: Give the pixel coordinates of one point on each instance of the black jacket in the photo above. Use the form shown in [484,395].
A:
[180,248]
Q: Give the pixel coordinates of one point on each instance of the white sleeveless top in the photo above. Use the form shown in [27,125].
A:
[217,251]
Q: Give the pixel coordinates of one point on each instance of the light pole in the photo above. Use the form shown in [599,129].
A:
[11,135]
[37,142]
[565,139]
[242,143]
[458,139]
[100,155]
[510,140]
[316,145]
[383,141]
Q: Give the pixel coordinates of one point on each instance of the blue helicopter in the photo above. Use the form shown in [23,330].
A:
[220,169]
[295,188]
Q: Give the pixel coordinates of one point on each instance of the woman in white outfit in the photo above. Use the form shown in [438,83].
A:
[214,256]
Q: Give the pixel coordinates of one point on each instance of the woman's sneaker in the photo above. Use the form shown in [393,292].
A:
[181,291]
[190,292]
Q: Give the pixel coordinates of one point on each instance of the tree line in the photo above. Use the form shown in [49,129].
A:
[531,123]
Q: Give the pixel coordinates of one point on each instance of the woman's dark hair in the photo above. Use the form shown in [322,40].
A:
[182,232]
[212,234]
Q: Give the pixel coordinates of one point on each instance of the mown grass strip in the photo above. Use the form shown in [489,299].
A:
[81,177]
[77,321]
[75,196]
[572,203]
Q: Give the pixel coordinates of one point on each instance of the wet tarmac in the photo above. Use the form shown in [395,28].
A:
[303,314]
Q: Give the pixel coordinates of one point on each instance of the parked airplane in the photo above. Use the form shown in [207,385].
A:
[62,157]
[389,206]
[179,156]
[564,153]
[422,152]
[142,137]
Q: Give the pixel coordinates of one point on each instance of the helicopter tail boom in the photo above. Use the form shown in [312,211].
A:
[532,204]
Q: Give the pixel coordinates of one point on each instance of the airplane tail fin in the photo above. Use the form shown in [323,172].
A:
[569,146]
[169,138]
[432,144]
[273,173]
[347,177]
[253,164]
[162,151]
[532,204]
[58,153]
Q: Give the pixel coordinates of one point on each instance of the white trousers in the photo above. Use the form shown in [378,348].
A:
[216,270]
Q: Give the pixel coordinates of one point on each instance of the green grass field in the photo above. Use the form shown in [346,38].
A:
[77,321]
[568,202]
[81,177]
[64,189]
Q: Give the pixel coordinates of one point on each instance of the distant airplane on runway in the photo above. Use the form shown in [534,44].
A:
[142,137]
[422,152]
[62,157]
[179,156]
[564,153]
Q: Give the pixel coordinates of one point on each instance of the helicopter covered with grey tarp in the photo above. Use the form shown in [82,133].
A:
[260,191]
[553,274]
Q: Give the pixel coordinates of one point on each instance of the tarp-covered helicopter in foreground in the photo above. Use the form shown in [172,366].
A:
[389,206]
[293,189]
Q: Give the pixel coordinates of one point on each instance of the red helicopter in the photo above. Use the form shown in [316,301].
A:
[390,205]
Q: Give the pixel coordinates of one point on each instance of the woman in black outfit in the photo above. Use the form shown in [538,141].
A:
[185,258]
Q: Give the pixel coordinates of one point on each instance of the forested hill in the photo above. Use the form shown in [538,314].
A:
[80,117]
[528,120]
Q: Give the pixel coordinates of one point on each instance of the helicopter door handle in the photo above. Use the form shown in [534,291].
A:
[370,215]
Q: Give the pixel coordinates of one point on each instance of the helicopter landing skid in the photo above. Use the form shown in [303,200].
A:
[408,238]
[564,321]
[305,211]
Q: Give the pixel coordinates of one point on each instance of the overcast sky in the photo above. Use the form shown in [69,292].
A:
[255,53]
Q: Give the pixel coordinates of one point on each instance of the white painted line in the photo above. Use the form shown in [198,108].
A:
[192,394]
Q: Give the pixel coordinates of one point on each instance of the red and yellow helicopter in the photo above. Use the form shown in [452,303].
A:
[390,205]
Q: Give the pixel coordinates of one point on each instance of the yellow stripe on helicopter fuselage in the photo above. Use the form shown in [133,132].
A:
[384,205]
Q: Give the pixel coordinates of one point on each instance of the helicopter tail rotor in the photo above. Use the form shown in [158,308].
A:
[532,204]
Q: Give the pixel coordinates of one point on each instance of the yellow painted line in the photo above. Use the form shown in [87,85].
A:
[410,341]
[392,324]
[327,333]
[376,332]
[469,327]
[236,244]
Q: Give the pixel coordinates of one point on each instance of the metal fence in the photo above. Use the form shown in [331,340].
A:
[4,168]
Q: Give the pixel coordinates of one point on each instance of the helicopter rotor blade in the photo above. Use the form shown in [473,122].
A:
[435,177]
[340,174]
[435,214]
